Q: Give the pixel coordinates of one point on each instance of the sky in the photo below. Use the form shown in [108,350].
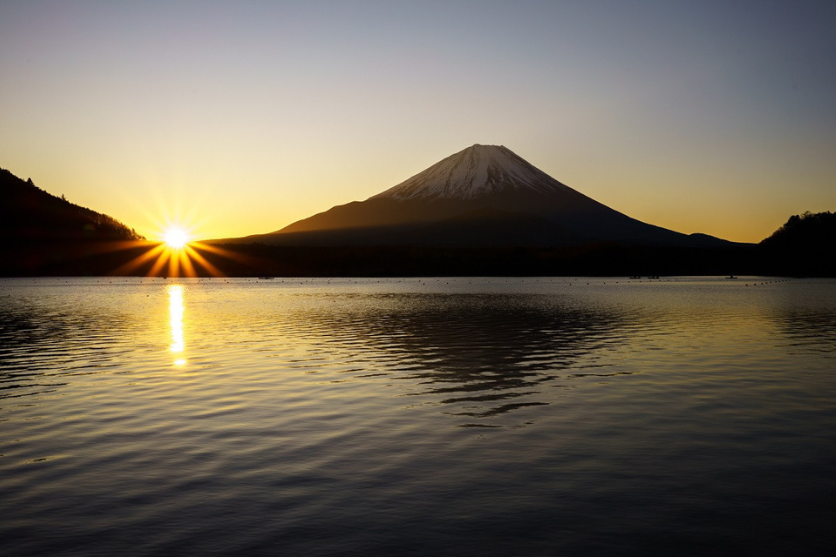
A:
[238,118]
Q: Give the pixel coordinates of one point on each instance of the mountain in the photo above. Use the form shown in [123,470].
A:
[44,234]
[28,213]
[816,230]
[805,246]
[482,196]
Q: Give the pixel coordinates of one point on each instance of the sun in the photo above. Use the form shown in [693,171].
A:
[176,238]
[176,254]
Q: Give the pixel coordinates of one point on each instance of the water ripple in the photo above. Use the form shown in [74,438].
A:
[413,416]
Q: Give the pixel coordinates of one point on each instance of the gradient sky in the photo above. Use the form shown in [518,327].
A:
[239,118]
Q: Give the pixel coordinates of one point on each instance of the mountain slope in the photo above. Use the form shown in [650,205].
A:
[484,227]
[808,229]
[475,172]
[41,234]
[481,179]
[804,246]
[29,214]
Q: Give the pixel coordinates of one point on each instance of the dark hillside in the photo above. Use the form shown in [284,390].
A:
[39,231]
[804,246]
[29,213]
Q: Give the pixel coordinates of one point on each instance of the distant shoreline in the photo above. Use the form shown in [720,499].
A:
[257,260]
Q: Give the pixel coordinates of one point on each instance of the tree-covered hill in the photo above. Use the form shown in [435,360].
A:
[808,228]
[29,214]
[804,245]
[41,234]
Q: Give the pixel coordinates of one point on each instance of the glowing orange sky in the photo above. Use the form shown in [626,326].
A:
[240,118]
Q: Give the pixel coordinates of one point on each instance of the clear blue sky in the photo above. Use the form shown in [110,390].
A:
[242,117]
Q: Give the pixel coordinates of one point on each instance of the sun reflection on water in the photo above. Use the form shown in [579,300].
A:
[175,311]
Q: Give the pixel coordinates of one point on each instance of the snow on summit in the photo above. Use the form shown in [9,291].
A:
[473,172]
[484,195]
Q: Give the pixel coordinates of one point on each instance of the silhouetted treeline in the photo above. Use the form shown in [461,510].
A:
[67,259]
[805,245]
[105,258]
[39,232]
[389,261]
[29,214]
[808,228]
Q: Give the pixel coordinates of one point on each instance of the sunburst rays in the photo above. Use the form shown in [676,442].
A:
[190,260]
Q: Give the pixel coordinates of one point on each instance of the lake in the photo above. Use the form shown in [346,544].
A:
[434,416]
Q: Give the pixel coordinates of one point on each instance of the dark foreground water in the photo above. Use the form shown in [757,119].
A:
[417,417]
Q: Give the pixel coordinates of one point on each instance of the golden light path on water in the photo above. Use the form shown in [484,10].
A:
[175,311]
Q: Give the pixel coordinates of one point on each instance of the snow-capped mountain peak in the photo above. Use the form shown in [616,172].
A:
[484,195]
[474,172]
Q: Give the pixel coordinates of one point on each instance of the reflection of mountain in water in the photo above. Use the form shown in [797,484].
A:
[484,354]
[478,356]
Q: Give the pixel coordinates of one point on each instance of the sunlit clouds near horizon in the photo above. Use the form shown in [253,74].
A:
[230,119]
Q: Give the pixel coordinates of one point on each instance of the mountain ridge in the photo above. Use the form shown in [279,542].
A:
[42,234]
[28,213]
[472,241]
[480,177]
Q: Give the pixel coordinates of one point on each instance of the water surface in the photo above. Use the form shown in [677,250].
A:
[462,416]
